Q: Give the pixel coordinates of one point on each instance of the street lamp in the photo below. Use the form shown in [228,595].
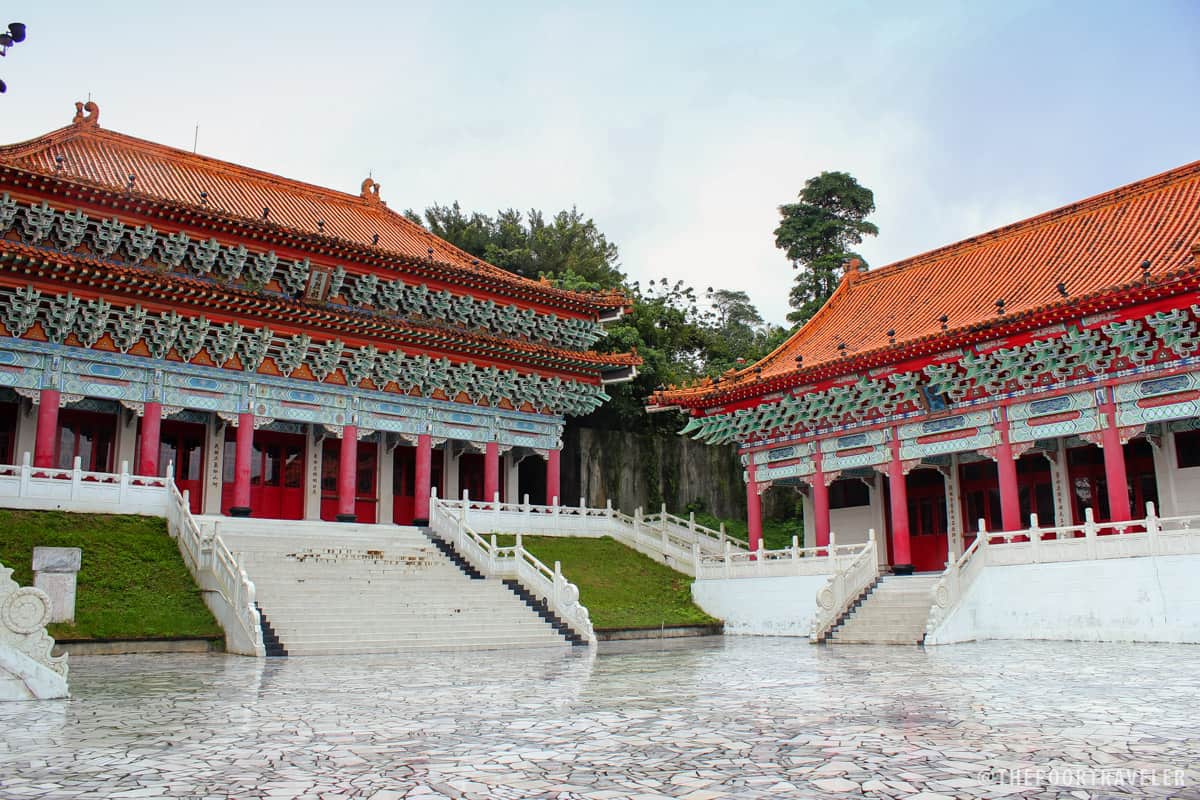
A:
[14,35]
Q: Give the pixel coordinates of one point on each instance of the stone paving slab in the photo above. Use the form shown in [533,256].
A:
[737,718]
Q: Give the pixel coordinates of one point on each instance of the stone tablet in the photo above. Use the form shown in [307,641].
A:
[57,559]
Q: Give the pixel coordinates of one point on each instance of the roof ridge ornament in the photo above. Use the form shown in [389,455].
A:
[370,192]
[92,117]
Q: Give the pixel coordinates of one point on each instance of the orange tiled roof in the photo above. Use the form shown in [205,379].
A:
[106,158]
[1091,246]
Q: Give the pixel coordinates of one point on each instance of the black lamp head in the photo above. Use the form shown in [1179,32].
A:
[17,31]
[3,87]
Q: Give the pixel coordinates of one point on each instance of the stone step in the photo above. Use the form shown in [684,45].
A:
[329,590]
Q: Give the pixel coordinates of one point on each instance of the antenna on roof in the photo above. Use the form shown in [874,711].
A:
[196,138]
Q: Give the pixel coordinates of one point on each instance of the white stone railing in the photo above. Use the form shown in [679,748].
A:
[47,489]
[669,539]
[27,669]
[449,520]
[844,587]
[1151,536]
[762,563]
[227,590]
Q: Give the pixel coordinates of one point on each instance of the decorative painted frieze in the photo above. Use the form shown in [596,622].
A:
[254,270]
[169,332]
[953,434]
[1050,417]
[1076,354]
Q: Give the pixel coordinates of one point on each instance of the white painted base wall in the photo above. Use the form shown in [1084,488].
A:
[782,606]
[1148,599]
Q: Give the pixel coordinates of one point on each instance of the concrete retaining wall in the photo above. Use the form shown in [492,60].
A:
[1149,599]
[762,606]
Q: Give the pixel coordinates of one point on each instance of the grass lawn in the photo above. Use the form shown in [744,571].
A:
[132,585]
[620,587]
[777,534]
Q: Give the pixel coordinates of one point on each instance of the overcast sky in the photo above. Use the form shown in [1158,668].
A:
[679,127]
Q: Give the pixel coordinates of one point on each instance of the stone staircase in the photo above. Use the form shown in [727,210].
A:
[330,588]
[894,611]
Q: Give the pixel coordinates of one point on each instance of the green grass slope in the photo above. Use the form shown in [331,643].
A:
[620,587]
[132,585]
[777,534]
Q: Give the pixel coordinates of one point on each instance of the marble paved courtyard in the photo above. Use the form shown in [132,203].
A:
[738,718]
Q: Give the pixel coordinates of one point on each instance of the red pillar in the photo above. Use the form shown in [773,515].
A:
[898,489]
[1006,468]
[347,474]
[243,452]
[753,509]
[491,471]
[148,452]
[424,472]
[552,476]
[1114,462]
[47,429]
[820,498]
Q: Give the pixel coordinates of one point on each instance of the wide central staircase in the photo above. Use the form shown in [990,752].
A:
[331,588]
[894,611]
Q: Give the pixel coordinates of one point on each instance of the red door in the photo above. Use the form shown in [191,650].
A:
[404,470]
[366,489]
[1089,483]
[979,488]
[470,475]
[88,435]
[276,474]
[8,433]
[182,444]
[927,520]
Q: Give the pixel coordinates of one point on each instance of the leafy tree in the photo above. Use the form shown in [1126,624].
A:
[818,234]
[679,335]
[528,244]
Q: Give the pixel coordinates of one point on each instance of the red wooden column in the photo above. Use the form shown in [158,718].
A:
[553,460]
[898,489]
[347,474]
[753,508]
[491,471]
[243,452]
[151,428]
[47,428]
[1006,468]
[423,479]
[820,499]
[1114,461]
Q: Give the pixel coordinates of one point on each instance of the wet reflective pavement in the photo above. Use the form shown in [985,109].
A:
[739,717]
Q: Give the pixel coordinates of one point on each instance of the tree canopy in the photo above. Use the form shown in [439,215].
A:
[819,234]
[679,333]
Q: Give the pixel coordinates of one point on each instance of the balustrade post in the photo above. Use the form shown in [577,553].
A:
[77,479]
[1152,528]
[662,536]
[692,523]
[1035,537]
[1089,531]
[722,539]
[728,559]
[795,548]
[608,508]
[26,474]
[761,560]
[520,546]
[696,559]
[558,582]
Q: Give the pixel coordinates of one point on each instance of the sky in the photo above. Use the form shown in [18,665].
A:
[680,127]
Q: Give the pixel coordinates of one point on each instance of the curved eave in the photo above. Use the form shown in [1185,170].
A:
[75,188]
[747,388]
[98,275]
